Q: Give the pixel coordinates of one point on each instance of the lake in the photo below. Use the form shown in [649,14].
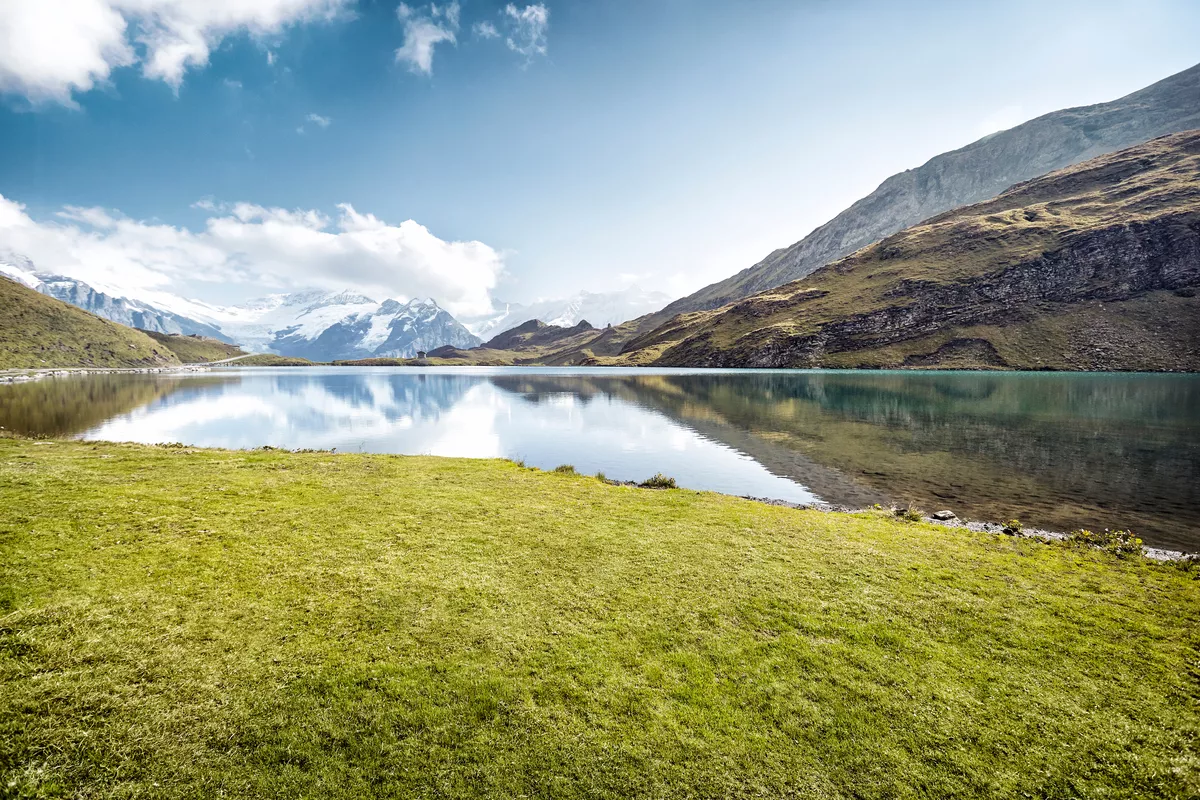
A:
[1055,450]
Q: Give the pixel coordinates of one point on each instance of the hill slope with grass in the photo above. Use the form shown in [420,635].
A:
[435,627]
[968,175]
[1095,266]
[194,349]
[37,331]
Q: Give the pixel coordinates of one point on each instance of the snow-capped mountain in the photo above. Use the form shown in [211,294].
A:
[390,329]
[298,316]
[317,325]
[598,308]
[135,314]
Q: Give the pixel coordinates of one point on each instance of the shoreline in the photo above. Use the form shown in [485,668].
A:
[25,376]
[1045,536]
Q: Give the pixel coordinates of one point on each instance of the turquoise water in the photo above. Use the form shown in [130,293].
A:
[1052,449]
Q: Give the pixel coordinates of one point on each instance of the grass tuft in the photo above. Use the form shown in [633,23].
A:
[658,481]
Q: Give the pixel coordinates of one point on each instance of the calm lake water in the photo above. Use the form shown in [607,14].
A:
[1053,450]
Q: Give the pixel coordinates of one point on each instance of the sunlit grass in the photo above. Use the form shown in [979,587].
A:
[176,622]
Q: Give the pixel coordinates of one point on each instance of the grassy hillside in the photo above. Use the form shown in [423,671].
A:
[197,623]
[1091,267]
[196,349]
[37,331]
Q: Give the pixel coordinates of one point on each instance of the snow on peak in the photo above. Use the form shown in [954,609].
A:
[20,274]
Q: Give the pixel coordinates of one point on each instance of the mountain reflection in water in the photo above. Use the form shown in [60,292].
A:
[1054,450]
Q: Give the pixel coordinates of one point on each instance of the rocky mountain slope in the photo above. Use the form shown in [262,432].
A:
[38,331]
[974,173]
[1095,266]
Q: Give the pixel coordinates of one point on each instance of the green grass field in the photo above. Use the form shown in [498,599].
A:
[198,623]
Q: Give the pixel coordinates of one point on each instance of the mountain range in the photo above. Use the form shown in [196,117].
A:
[1094,267]
[971,174]
[324,326]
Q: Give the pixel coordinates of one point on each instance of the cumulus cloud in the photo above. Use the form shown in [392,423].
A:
[527,29]
[485,30]
[257,246]
[52,49]
[423,30]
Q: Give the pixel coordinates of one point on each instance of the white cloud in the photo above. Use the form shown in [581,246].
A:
[316,119]
[423,31]
[485,30]
[52,49]
[527,29]
[256,246]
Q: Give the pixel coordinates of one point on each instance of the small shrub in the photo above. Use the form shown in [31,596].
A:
[520,462]
[1119,543]
[568,469]
[658,481]
[910,514]
[600,476]
[1013,527]
[1189,564]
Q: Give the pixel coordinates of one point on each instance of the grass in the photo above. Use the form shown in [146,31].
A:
[182,623]
[196,349]
[272,360]
[37,332]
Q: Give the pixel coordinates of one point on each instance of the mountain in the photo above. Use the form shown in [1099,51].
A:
[313,324]
[39,331]
[1095,266]
[389,330]
[536,333]
[131,313]
[974,173]
[599,308]
[295,317]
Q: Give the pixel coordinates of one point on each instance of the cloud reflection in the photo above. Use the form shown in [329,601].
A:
[468,415]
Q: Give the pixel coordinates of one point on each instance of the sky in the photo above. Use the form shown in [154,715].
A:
[475,151]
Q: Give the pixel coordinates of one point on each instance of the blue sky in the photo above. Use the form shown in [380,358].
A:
[661,142]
